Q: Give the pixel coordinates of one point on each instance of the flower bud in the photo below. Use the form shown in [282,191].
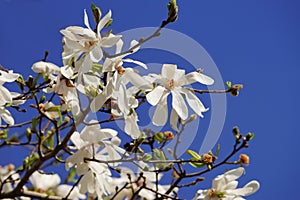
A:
[244,159]
[207,158]
[169,135]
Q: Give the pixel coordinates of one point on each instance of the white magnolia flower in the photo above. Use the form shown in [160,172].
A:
[150,181]
[6,116]
[44,182]
[61,83]
[63,190]
[8,178]
[224,187]
[6,76]
[111,64]
[86,44]
[103,143]
[173,81]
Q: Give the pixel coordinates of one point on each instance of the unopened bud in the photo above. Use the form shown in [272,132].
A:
[244,159]
[10,167]
[207,158]
[234,90]
[173,11]
[169,135]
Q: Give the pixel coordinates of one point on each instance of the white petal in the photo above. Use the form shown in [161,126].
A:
[123,100]
[45,67]
[194,102]
[63,190]
[254,185]
[179,105]
[174,120]
[6,116]
[155,95]
[198,77]
[240,191]
[160,116]
[86,20]
[44,181]
[77,141]
[132,44]
[96,53]
[137,80]
[131,127]
[135,62]
[8,77]
[110,41]
[168,71]
[119,46]
[234,174]
[5,96]
[67,72]
[103,22]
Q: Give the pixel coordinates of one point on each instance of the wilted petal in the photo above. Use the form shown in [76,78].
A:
[155,95]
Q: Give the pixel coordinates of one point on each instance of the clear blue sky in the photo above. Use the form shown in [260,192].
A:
[252,42]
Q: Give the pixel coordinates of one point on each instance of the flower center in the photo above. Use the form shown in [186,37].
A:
[212,193]
[170,84]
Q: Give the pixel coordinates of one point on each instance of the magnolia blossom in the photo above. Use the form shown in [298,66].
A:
[6,76]
[86,44]
[61,81]
[173,81]
[43,182]
[150,182]
[63,191]
[224,187]
[6,96]
[111,64]
[8,178]
[102,144]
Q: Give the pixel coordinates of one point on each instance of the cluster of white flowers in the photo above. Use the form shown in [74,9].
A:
[89,71]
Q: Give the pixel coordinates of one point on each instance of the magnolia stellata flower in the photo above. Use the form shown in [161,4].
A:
[63,191]
[224,187]
[173,81]
[43,181]
[61,82]
[137,182]
[8,178]
[86,44]
[6,76]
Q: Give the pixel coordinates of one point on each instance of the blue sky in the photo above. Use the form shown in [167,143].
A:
[255,43]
